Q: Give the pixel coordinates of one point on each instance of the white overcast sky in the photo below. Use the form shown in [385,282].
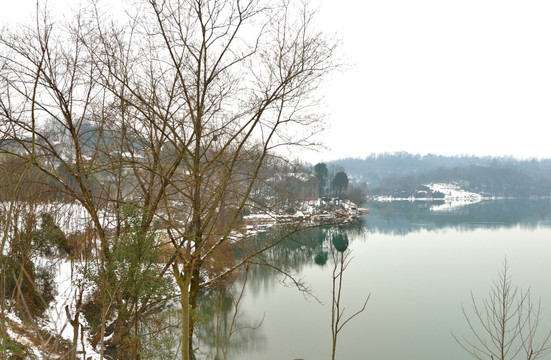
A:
[432,76]
[440,76]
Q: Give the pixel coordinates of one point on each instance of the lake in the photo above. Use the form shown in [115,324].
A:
[418,262]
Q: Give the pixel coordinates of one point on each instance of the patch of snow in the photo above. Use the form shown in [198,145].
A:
[67,286]
[12,317]
[454,196]
[259,217]
[25,342]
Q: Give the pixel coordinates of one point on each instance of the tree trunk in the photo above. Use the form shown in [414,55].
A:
[120,332]
[184,281]
[75,324]
[193,296]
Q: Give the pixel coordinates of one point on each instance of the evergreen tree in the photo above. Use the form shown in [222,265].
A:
[340,183]
[320,171]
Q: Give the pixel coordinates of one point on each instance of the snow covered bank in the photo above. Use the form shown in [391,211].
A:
[451,194]
[314,211]
[454,196]
[34,337]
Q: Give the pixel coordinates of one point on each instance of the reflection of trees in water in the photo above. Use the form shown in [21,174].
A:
[403,217]
[287,258]
[312,247]
[341,256]
[225,331]
[304,248]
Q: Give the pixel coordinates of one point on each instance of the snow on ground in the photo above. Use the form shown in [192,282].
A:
[72,217]
[23,340]
[454,196]
[55,318]
[66,295]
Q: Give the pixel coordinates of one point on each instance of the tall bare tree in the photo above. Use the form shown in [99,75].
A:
[174,109]
[217,83]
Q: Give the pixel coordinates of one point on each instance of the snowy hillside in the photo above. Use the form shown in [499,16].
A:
[454,196]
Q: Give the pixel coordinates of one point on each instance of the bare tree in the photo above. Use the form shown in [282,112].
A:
[59,119]
[223,82]
[175,111]
[506,324]
[341,260]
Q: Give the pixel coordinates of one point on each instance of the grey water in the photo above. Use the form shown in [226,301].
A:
[418,262]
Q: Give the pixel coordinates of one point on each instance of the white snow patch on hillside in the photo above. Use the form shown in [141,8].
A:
[454,196]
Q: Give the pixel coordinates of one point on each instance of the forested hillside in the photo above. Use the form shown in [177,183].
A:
[404,174]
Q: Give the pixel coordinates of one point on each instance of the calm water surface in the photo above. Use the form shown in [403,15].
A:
[419,263]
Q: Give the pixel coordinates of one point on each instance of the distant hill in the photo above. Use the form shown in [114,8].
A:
[403,174]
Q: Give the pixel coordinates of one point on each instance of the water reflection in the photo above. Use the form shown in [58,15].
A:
[226,331]
[403,217]
[388,264]
[288,258]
